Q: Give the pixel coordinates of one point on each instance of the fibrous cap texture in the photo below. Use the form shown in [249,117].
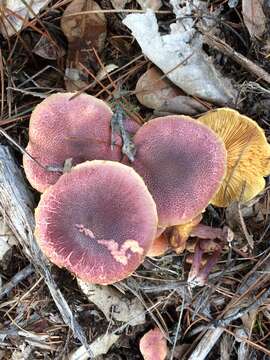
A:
[248,154]
[98,221]
[66,126]
[182,163]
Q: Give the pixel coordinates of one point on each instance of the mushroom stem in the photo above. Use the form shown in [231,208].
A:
[198,275]
[180,234]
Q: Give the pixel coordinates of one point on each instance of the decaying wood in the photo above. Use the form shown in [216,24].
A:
[227,50]
[16,206]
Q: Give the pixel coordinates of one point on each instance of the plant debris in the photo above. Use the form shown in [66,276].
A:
[180,55]
[210,53]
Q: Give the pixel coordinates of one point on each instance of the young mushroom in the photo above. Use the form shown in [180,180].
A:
[153,345]
[98,221]
[183,164]
[248,155]
[65,126]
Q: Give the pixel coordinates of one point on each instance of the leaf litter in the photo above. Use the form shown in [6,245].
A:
[44,313]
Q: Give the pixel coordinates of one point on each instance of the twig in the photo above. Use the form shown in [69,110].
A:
[20,276]
[220,45]
[17,206]
[212,335]
[243,311]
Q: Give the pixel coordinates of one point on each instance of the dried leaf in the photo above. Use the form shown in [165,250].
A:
[180,55]
[48,49]
[84,32]
[113,304]
[183,105]
[254,17]
[152,91]
[15,13]
[150,4]
[153,345]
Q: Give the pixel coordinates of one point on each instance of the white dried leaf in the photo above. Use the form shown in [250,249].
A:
[181,57]
[113,304]
[98,347]
[14,13]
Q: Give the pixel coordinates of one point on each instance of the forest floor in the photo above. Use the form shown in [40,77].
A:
[227,318]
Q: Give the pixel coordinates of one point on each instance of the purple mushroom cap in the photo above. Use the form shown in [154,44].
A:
[61,128]
[182,163]
[98,221]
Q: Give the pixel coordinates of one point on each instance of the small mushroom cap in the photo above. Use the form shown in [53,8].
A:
[61,128]
[182,163]
[248,154]
[98,221]
[153,345]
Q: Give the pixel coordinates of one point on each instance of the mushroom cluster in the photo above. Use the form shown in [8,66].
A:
[103,216]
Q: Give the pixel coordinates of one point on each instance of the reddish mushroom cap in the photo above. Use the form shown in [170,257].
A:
[153,345]
[182,163]
[98,221]
[62,128]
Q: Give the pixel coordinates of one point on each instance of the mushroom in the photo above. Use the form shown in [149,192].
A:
[65,126]
[153,345]
[98,221]
[248,155]
[159,247]
[183,164]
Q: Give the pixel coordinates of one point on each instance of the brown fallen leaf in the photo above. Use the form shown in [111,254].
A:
[153,345]
[84,32]
[254,17]
[160,94]
[152,91]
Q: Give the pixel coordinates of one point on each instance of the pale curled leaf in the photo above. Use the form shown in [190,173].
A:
[254,17]
[113,304]
[14,13]
[181,57]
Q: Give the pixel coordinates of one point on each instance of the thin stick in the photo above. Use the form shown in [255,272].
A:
[20,276]
[247,64]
